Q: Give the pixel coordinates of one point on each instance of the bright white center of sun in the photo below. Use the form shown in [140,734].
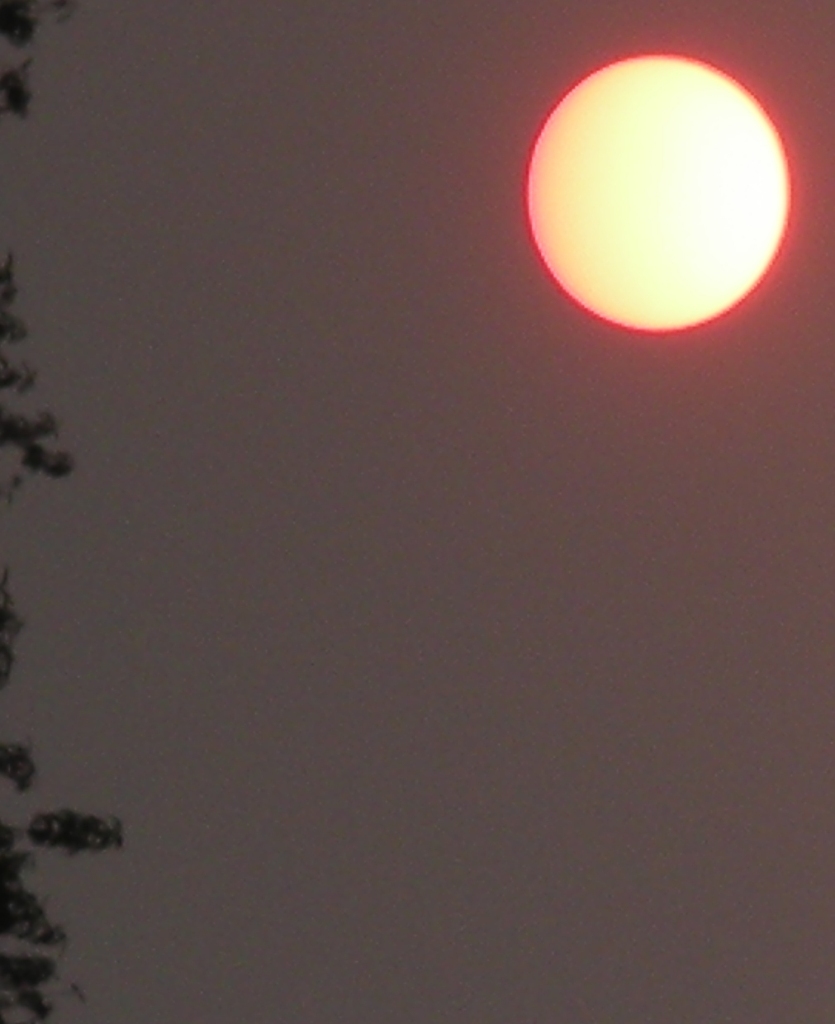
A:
[658,193]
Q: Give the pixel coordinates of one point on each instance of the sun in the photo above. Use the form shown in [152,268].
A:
[658,192]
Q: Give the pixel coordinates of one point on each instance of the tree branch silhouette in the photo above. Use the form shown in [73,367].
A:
[29,966]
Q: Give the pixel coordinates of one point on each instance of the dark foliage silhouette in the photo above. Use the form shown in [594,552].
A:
[16,764]
[10,626]
[19,23]
[19,19]
[15,93]
[22,434]
[75,832]
[29,940]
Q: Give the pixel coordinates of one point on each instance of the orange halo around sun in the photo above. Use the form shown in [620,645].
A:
[658,193]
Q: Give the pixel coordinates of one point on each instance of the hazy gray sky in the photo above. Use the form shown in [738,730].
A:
[451,657]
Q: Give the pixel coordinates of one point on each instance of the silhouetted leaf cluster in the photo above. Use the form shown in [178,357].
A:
[25,970]
[23,432]
[26,435]
[19,23]
[17,765]
[23,919]
[20,19]
[75,832]
[15,92]
[10,626]
[20,980]
[23,916]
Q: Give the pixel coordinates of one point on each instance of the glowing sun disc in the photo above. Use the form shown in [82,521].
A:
[658,192]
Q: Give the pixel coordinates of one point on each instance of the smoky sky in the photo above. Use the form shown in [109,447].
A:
[451,656]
